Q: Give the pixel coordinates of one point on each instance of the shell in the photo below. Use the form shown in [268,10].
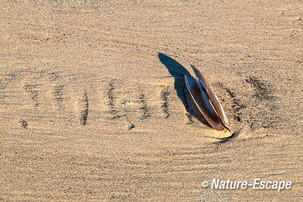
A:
[206,101]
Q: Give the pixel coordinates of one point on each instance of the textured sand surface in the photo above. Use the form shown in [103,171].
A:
[93,105]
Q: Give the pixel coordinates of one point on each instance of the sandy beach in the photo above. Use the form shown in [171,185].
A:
[93,104]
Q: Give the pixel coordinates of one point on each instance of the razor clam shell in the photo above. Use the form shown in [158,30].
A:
[214,99]
[215,105]
[200,97]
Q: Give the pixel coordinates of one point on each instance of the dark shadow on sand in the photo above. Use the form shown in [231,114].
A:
[178,72]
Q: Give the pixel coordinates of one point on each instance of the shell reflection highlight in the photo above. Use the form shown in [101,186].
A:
[206,101]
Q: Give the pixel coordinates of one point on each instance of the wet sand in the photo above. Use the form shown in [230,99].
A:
[93,105]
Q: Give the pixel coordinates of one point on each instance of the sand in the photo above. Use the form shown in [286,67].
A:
[93,105]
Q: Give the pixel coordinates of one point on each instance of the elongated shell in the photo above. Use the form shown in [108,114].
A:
[206,101]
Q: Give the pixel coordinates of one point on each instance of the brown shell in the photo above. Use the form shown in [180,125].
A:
[206,101]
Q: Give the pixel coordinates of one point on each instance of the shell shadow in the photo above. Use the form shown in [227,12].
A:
[178,71]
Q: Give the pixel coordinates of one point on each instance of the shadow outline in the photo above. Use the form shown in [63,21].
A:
[178,71]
